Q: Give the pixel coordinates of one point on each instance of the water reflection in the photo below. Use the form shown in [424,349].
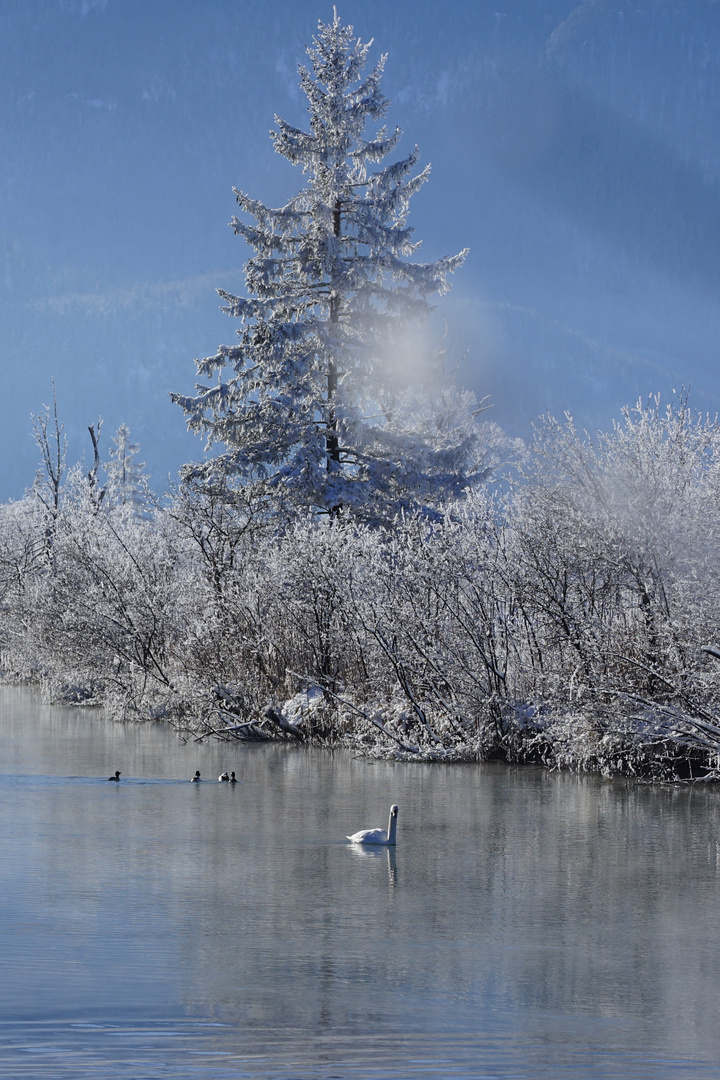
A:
[528,924]
[387,855]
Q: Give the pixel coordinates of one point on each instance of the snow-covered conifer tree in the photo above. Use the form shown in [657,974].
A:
[301,403]
[127,483]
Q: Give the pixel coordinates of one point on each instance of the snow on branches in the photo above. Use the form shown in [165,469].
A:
[302,403]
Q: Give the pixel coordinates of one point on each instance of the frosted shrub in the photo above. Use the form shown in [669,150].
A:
[109,612]
[616,572]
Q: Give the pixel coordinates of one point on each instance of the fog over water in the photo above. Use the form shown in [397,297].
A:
[574,150]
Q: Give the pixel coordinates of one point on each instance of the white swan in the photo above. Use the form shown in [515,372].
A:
[378,836]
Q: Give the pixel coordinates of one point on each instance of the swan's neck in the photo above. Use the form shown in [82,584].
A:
[392,828]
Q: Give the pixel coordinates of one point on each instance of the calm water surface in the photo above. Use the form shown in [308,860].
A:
[529,924]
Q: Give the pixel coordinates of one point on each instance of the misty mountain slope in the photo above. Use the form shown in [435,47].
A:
[606,208]
[574,149]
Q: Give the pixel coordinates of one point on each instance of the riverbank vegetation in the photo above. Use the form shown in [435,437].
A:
[359,560]
[569,617]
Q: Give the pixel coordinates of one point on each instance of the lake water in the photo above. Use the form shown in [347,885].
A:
[529,924]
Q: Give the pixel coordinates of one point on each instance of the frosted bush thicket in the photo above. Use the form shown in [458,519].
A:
[570,620]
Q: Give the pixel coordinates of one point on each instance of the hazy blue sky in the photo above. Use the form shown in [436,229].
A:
[574,149]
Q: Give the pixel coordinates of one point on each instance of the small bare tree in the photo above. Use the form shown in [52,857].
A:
[48,434]
[97,493]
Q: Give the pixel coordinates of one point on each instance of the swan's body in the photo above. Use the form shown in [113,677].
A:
[196,778]
[223,778]
[117,775]
[378,836]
